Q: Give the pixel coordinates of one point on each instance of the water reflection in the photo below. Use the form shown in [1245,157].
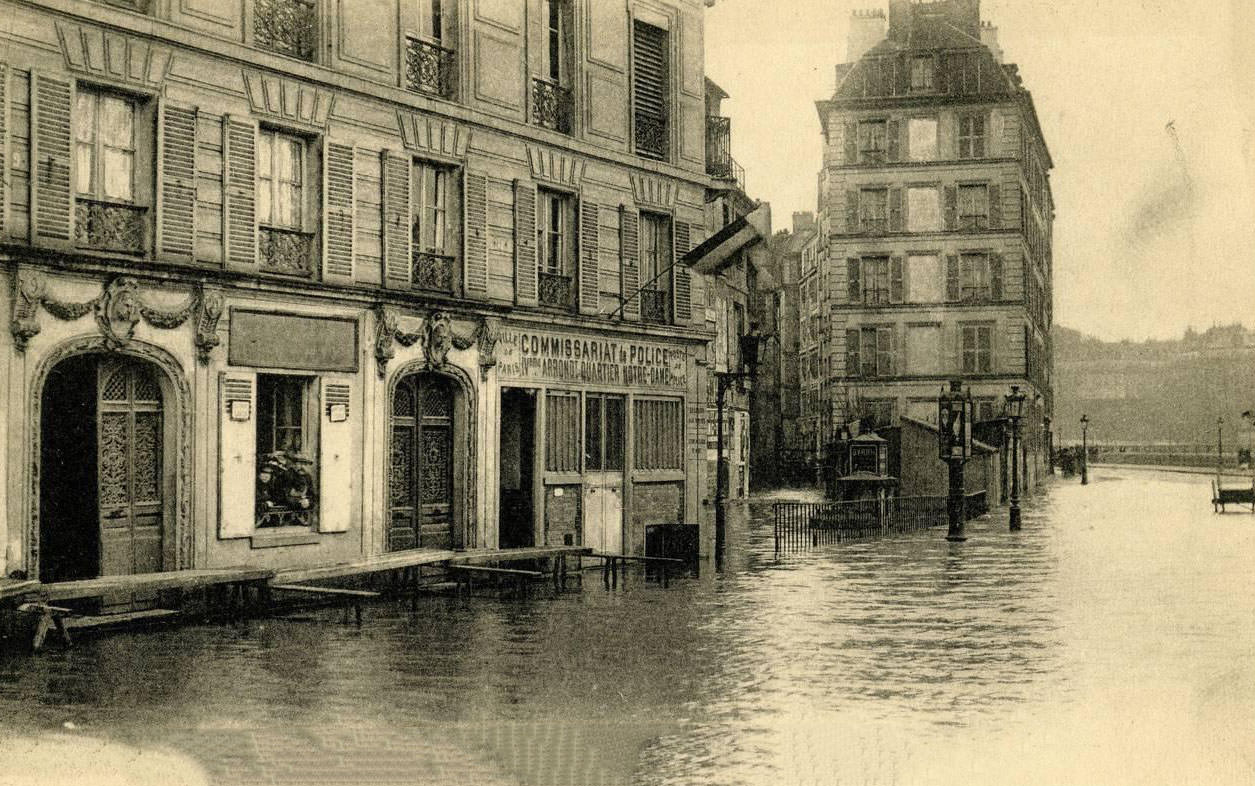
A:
[905,660]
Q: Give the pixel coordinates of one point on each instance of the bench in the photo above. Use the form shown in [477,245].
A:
[1222,495]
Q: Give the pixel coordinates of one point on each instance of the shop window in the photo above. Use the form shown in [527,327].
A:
[604,432]
[435,220]
[110,212]
[282,211]
[562,431]
[286,466]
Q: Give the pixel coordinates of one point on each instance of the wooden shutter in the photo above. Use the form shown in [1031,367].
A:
[681,276]
[337,478]
[525,262]
[995,206]
[853,363]
[893,130]
[588,268]
[851,143]
[995,277]
[237,440]
[651,91]
[240,161]
[897,290]
[851,211]
[884,352]
[629,249]
[51,183]
[398,221]
[896,220]
[477,235]
[952,207]
[339,205]
[854,290]
[176,210]
[952,278]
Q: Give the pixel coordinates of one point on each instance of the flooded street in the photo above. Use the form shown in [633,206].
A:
[1112,641]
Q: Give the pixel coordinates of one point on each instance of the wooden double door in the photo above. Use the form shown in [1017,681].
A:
[103,494]
[421,473]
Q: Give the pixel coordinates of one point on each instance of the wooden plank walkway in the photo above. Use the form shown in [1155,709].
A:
[399,560]
[150,582]
[17,588]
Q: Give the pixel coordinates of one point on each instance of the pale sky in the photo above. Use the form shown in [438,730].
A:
[1148,239]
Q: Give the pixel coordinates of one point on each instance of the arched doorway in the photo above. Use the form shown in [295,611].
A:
[421,473]
[103,481]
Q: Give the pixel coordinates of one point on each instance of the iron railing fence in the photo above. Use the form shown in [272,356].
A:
[803,525]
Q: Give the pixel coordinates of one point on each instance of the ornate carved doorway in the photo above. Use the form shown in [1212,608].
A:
[420,485]
[102,485]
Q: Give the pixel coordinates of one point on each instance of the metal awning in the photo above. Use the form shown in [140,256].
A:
[716,252]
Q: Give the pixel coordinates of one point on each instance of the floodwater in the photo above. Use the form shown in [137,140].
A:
[1112,641]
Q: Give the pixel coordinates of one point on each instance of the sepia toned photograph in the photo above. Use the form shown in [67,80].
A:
[627,392]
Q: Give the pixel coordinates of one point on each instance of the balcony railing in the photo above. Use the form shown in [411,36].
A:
[719,160]
[111,226]
[551,105]
[286,251]
[428,68]
[556,291]
[289,27]
[656,306]
[652,136]
[433,272]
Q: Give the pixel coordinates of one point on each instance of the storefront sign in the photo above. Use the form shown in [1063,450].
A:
[293,341]
[585,360]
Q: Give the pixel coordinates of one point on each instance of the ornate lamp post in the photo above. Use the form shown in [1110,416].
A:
[1084,449]
[954,441]
[1015,410]
[749,344]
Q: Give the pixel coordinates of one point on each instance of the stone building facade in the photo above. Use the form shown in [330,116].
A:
[294,282]
[935,223]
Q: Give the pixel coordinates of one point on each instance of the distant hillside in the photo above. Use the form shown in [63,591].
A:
[1155,391]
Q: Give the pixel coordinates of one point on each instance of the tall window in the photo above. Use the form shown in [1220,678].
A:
[971,136]
[656,260]
[105,146]
[974,278]
[978,349]
[604,432]
[875,275]
[430,204]
[922,69]
[554,15]
[873,138]
[651,90]
[555,229]
[436,20]
[286,468]
[280,180]
[876,351]
[874,209]
[923,209]
[974,207]
[289,27]
[434,206]
[551,88]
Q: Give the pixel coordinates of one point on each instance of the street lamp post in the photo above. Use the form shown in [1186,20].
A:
[1049,445]
[954,442]
[1084,449]
[1015,409]
[724,381]
[1219,445]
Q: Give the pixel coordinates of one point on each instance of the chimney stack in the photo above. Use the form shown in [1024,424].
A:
[989,37]
[867,28]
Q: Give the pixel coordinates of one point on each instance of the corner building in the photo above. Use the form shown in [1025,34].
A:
[935,226]
[294,282]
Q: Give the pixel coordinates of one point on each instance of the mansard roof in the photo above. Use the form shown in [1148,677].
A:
[965,69]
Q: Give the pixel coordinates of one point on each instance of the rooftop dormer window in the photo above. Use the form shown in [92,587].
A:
[923,68]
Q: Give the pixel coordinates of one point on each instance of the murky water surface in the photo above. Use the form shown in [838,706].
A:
[1110,642]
